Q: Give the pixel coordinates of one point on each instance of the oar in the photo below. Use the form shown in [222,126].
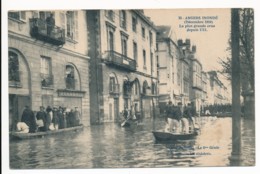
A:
[123,124]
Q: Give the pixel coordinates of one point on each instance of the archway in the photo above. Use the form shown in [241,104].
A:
[19,77]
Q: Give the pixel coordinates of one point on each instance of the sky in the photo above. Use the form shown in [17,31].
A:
[211,44]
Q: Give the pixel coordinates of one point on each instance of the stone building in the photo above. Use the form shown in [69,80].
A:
[218,93]
[123,68]
[170,66]
[195,74]
[204,95]
[48,62]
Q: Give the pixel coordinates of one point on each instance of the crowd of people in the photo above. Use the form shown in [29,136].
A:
[215,109]
[48,119]
[180,119]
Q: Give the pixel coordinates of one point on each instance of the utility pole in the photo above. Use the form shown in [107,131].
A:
[235,157]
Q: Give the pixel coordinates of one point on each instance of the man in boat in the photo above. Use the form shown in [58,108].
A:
[77,117]
[49,118]
[22,127]
[71,118]
[172,118]
[126,113]
[55,119]
[61,118]
[187,121]
[41,117]
[127,116]
[29,119]
[168,111]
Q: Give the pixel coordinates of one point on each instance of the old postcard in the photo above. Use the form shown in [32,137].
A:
[131,88]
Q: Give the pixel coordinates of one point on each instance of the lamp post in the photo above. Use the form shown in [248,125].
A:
[235,157]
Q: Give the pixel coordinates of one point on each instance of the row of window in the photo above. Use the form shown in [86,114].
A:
[124,39]
[110,14]
[45,73]
[127,88]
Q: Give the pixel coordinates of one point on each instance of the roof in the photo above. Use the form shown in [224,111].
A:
[163,31]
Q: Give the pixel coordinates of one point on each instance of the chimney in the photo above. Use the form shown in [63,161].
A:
[180,43]
[194,48]
[187,42]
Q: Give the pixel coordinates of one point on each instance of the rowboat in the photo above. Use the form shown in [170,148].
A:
[170,136]
[19,135]
[129,123]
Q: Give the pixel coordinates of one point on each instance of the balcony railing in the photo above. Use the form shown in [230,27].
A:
[120,60]
[44,32]
[46,80]
[115,89]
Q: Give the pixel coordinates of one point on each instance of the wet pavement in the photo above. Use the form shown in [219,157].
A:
[111,146]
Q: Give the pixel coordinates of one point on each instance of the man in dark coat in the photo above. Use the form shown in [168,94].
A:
[42,115]
[61,118]
[187,121]
[50,24]
[55,119]
[29,119]
[77,117]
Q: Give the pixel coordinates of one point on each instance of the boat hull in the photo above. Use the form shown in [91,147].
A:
[18,135]
[168,136]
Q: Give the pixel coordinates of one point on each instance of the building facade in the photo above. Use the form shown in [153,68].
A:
[204,95]
[48,62]
[195,73]
[218,93]
[169,67]
[123,68]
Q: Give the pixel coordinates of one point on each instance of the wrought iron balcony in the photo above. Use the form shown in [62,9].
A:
[44,32]
[114,89]
[46,80]
[119,60]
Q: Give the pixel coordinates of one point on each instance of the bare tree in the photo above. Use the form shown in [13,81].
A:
[246,53]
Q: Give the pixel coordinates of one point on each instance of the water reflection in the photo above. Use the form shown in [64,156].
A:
[110,146]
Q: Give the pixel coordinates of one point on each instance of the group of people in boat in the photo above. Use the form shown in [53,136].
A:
[180,119]
[48,119]
[132,113]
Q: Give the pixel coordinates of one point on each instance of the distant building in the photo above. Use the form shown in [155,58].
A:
[48,62]
[218,92]
[195,73]
[204,95]
[123,69]
[170,68]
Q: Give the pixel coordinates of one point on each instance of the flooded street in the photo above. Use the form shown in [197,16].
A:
[110,146]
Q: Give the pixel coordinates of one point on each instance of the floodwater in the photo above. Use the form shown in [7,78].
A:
[111,146]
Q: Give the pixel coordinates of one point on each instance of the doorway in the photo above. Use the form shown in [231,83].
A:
[16,107]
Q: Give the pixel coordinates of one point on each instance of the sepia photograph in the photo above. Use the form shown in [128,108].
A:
[120,88]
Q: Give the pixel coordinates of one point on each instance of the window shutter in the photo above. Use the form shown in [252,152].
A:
[76,25]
